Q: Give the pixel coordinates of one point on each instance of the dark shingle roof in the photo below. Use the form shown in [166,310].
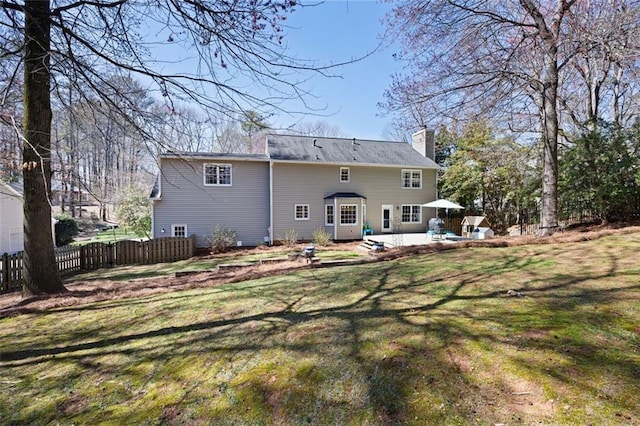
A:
[344,195]
[344,151]
[155,191]
[214,155]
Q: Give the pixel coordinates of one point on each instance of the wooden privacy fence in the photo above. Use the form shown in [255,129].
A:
[75,259]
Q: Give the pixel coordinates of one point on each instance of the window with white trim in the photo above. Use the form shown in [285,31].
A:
[217,174]
[412,179]
[345,174]
[179,230]
[411,213]
[301,211]
[348,214]
[328,214]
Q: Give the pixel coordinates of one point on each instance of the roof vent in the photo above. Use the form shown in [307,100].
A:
[315,143]
[354,143]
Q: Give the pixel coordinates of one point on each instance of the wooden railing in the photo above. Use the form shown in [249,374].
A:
[74,259]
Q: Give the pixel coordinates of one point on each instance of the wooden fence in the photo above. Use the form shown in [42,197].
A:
[75,259]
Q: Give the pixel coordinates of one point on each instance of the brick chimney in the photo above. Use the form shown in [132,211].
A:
[424,142]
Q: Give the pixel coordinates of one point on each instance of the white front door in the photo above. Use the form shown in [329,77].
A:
[387,218]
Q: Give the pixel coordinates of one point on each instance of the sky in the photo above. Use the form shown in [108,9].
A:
[335,32]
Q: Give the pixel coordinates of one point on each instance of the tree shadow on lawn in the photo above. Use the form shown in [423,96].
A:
[406,343]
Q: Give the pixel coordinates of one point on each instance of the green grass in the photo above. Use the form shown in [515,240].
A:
[110,236]
[427,340]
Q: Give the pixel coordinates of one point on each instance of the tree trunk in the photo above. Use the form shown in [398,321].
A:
[40,268]
[549,212]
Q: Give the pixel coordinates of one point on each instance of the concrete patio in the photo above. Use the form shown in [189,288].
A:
[398,240]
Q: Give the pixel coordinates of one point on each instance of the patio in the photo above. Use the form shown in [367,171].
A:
[417,239]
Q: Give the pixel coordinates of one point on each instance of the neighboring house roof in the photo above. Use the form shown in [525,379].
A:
[344,151]
[344,195]
[16,187]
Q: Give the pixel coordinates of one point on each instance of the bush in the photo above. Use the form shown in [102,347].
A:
[223,238]
[134,211]
[290,238]
[321,237]
[66,228]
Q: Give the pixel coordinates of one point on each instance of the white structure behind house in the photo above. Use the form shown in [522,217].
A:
[11,222]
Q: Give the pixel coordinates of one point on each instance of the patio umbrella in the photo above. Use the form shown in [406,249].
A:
[442,204]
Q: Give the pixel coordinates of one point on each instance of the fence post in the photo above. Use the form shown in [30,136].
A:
[6,273]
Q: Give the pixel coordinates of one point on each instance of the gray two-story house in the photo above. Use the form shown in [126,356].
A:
[300,183]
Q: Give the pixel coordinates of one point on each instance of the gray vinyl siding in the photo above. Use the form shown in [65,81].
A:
[243,206]
[295,183]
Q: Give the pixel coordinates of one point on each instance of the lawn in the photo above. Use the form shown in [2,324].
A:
[425,340]
[109,236]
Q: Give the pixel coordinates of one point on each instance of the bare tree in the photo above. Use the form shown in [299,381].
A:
[479,58]
[83,43]
[603,81]
[318,128]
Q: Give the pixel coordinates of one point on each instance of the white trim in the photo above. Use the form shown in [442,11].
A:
[390,208]
[175,225]
[402,172]
[331,163]
[326,223]
[363,216]
[411,213]
[218,166]
[340,212]
[348,174]
[295,212]
[335,209]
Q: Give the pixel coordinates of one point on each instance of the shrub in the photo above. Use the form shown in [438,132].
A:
[223,238]
[321,237]
[290,238]
[66,228]
[134,211]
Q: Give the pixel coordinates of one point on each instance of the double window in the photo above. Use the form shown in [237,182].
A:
[411,213]
[412,179]
[328,215]
[345,175]
[301,211]
[217,174]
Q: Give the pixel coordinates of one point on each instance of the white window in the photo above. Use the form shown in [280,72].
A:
[348,214]
[217,174]
[411,213]
[412,179]
[301,211]
[179,230]
[344,174]
[328,214]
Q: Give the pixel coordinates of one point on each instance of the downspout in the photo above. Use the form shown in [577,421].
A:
[153,219]
[270,202]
